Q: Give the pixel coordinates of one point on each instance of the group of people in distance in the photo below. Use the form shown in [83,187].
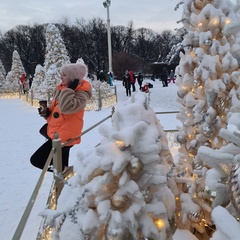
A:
[129,80]
[25,82]
[102,78]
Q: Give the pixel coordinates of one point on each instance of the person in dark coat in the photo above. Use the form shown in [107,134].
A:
[140,80]
[102,76]
[164,77]
[127,83]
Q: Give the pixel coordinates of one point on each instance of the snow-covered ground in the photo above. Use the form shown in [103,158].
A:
[19,125]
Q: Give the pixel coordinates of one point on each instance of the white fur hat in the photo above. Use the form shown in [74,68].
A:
[74,71]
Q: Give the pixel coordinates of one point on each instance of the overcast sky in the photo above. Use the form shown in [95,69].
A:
[157,15]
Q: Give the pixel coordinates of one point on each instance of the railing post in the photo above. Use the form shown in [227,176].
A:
[27,96]
[99,99]
[31,96]
[48,96]
[19,91]
[57,163]
[115,90]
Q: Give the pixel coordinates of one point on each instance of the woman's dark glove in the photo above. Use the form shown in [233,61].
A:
[44,113]
[73,84]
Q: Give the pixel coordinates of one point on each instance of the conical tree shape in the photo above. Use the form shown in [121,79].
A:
[208,86]
[13,77]
[2,74]
[37,81]
[56,56]
[120,190]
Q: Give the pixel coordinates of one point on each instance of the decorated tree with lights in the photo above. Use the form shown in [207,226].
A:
[122,189]
[38,79]
[2,74]
[56,56]
[223,177]
[13,77]
[208,86]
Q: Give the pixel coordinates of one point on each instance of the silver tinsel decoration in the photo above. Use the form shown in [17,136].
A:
[234,186]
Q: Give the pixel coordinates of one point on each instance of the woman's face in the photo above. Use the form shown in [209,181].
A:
[65,80]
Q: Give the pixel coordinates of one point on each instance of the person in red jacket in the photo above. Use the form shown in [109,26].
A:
[132,80]
[21,82]
[66,112]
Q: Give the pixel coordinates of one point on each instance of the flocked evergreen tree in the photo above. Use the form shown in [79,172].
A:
[121,189]
[13,77]
[208,86]
[38,79]
[56,56]
[2,74]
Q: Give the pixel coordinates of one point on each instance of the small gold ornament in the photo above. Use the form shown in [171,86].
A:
[195,217]
[234,186]
[120,202]
[135,166]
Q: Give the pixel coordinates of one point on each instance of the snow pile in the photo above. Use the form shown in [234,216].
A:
[120,188]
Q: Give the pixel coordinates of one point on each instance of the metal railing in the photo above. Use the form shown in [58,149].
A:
[97,102]
[56,155]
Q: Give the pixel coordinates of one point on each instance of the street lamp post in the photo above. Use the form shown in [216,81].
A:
[107,4]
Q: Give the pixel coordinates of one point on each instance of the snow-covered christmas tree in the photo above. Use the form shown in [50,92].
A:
[38,79]
[224,177]
[13,77]
[56,56]
[122,189]
[2,74]
[208,81]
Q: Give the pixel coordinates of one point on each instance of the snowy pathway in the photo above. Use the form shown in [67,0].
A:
[19,125]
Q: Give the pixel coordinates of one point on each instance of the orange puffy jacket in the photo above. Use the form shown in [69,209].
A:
[67,111]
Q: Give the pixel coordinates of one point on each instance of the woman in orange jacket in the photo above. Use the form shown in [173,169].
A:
[66,112]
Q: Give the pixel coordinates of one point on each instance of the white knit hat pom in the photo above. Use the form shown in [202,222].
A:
[74,71]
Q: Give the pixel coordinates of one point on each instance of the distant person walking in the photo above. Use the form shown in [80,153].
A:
[25,85]
[140,80]
[110,78]
[21,82]
[102,76]
[164,77]
[127,83]
[132,80]
[171,77]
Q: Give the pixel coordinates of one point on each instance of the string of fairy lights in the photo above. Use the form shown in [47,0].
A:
[96,103]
